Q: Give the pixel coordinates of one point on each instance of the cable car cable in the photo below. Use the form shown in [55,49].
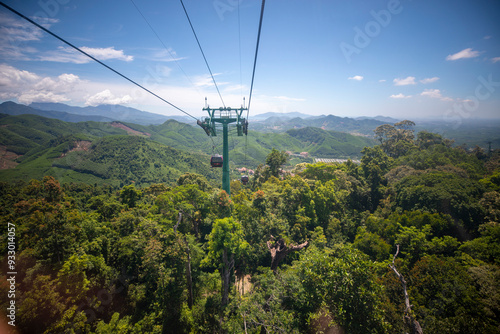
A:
[203,54]
[239,47]
[253,71]
[167,49]
[256,53]
[93,58]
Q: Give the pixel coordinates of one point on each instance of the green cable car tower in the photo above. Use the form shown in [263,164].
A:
[224,116]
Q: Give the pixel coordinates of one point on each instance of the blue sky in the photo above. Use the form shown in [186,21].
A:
[405,59]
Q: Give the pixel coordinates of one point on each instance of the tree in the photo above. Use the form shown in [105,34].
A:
[320,171]
[129,195]
[266,307]
[371,244]
[446,299]
[427,139]
[375,164]
[225,245]
[275,160]
[445,192]
[40,306]
[341,282]
[193,178]
[396,140]
[186,204]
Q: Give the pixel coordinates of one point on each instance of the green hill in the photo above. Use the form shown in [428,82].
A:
[23,133]
[121,153]
[330,144]
[50,147]
[252,150]
[115,160]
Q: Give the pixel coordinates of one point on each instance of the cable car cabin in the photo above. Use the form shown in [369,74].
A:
[244,179]
[216,161]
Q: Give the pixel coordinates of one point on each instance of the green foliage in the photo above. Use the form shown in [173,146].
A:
[191,178]
[275,160]
[444,192]
[330,144]
[492,181]
[445,298]
[265,307]
[341,280]
[72,279]
[116,160]
[396,140]
[226,239]
[129,195]
[487,246]
[170,252]
[372,244]
[375,164]
[441,155]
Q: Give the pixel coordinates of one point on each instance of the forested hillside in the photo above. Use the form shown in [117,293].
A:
[326,247]
[120,153]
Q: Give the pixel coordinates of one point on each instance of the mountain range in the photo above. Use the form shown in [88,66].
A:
[267,122]
[36,138]
[119,152]
[101,113]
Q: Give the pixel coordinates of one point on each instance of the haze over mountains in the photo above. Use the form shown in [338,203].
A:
[470,132]
[267,122]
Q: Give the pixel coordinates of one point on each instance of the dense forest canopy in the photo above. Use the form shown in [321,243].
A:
[307,251]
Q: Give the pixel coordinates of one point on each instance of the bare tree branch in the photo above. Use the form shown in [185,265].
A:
[279,250]
[408,317]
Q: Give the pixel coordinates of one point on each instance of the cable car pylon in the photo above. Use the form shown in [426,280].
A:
[224,116]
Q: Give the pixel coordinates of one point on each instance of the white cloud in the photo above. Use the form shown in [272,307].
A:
[27,87]
[34,96]
[356,77]
[235,88]
[15,33]
[404,82]
[382,80]
[496,59]
[166,55]
[45,22]
[70,55]
[106,97]
[466,53]
[206,81]
[400,96]
[429,80]
[433,93]
[12,78]
[436,94]
[18,30]
[64,55]
[107,53]
[63,83]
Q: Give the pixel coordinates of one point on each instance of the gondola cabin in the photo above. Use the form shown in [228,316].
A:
[216,161]
[244,179]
